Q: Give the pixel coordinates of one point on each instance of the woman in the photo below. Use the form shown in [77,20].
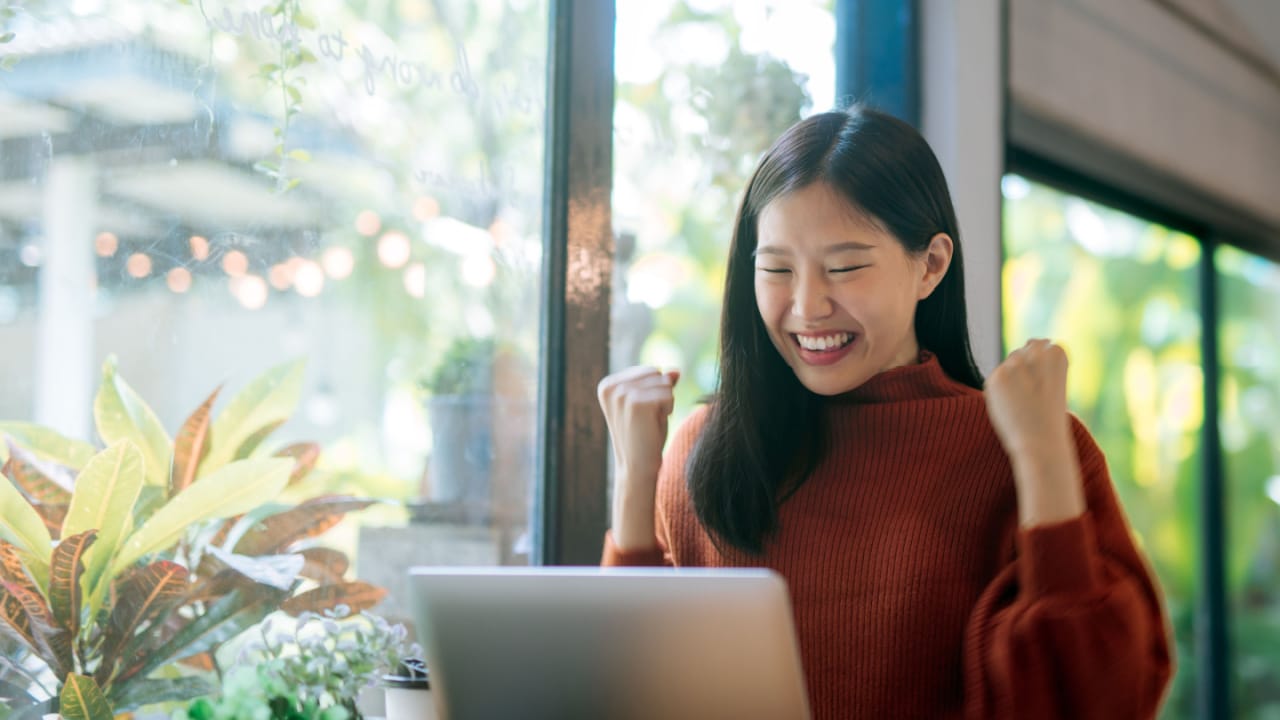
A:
[951,551]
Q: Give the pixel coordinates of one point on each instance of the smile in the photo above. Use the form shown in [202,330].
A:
[823,349]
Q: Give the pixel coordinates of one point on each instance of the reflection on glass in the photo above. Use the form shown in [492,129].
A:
[1121,295]
[208,190]
[1249,343]
[702,89]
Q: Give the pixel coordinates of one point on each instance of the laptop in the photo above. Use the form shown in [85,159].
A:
[609,643]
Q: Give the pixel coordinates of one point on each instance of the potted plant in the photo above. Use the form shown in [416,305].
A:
[124,569]
[314,669]
[481,411]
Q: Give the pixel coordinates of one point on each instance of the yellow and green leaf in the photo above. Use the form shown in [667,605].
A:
[105,493]
[269,399]
[47,444]
[121,414]
[231,490]
[21,525]
[82,699]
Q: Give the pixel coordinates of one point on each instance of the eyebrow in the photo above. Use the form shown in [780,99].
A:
[830,249]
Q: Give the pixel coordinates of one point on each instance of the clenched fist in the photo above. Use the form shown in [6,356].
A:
[637,405]
[1027,403]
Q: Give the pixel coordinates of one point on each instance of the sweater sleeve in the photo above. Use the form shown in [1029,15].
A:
[1073,626]
[671,480]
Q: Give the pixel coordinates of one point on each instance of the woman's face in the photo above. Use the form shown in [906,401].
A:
[838,293]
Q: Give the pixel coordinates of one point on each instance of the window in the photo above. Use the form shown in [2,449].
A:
[208,190]
[1249,342]
[1121,295]
[703,88]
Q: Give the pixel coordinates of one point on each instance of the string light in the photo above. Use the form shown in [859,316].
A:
[178,280]
[199,247]
[106,244]
[394,249]
[138,265]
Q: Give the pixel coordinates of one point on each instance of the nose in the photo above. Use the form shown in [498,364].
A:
[811,300]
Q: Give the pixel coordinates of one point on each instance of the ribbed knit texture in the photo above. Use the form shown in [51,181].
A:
[915,593]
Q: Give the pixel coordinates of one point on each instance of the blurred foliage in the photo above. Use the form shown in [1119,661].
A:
[1122,295]
[685,143]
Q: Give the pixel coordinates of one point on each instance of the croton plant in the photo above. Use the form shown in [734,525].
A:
[124,569]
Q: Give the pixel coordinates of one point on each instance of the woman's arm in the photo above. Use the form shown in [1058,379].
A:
[637,403]
[1074,626]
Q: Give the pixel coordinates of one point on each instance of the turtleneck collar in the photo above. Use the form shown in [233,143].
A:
[922,380]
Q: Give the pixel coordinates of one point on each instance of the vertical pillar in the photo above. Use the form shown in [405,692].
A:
[67,286]
[963,101]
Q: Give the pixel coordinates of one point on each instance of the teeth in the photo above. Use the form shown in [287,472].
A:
[824,342]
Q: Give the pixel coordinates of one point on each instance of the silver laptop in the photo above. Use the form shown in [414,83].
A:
[609,643]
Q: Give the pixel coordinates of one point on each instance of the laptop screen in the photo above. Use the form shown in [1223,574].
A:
[609,643]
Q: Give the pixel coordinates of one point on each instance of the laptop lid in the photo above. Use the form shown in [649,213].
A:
[609,643]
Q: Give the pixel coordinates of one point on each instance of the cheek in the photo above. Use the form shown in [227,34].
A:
[767,302]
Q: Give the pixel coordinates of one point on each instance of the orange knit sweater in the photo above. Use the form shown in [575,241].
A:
[916,595]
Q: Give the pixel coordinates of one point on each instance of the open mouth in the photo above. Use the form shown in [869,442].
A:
[821,344]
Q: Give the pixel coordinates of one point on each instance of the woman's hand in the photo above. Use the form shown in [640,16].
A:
[1027,402]
[637,404]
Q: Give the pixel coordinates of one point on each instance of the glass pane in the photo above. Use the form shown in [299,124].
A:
[1249,343]
[1120,294]
[703,88]
[349,191]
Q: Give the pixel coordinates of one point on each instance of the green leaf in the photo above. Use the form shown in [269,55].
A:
[252,442]
[147,691]
[121,414]
[105,493]
[7,37]
[47,444]
[21,525]
[231,490]
[293,93]
[295,182]
[304,20]
[270,398]
[64,580]
[300,155]
[82,699]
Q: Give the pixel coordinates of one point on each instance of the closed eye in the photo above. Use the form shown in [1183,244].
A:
[776,271]
[848,269]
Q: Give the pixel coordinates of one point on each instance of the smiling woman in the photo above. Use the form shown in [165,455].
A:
[953,547]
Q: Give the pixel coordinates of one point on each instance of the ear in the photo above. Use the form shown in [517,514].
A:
[937,259]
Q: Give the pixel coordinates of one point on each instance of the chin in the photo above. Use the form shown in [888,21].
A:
[831,386]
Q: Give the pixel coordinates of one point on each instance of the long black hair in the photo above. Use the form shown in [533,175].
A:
[764,433]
